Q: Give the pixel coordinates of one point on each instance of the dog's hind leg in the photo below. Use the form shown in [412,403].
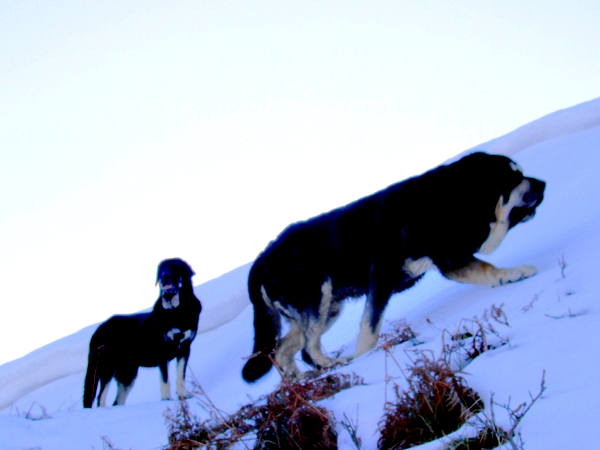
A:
[370,325]
[380,291]
[106,374]
[125,378]
[329,311]
[291,344]
[123,391]
[103,393]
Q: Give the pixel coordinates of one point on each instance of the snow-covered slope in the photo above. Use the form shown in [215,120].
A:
[553,319]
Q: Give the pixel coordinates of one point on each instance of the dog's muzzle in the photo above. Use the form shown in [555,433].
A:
[169,295]
[168,291]
[534,196]
[531,200]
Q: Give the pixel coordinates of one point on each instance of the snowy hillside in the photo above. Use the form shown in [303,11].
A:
[554,326]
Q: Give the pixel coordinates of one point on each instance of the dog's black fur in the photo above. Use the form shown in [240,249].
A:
[124,343]
[380,245]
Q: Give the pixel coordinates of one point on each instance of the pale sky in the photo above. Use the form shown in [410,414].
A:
[136,131]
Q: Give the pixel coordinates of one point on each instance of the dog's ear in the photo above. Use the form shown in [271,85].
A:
[191,272]
[158,274]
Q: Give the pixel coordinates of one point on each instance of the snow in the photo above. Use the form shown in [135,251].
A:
[553,321]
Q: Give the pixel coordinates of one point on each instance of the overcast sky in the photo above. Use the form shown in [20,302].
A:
[135,131]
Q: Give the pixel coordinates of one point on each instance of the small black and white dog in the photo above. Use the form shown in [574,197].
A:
[381,245]
[124,343]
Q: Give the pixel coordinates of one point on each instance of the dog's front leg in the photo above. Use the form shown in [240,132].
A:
[182,361]
[478,272]
[165,386]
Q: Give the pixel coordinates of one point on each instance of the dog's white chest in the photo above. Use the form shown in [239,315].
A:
[176,334]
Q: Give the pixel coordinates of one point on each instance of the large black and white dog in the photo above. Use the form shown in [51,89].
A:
[381,245]
[124,343]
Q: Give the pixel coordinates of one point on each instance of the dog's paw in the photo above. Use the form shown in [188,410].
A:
[184,395]
[514,274]
[340,361]
[296,375]
[343,360]
[333,364]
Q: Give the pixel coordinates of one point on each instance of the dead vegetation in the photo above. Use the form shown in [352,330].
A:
[400,334]
[288,418]
[351,428]
[562,263]
[35,412]
[490,434]
[568,314]
[436,403]
[533,301]
[474,337]
[485,439]
[107,444]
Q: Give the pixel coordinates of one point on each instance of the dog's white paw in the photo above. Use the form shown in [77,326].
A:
[184,394]
[294,374]
[336,362]
[514,274]
[343,360]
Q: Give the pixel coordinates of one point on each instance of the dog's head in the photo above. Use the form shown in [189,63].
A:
[520,195]
[171,276]
[502,183]
[499,176]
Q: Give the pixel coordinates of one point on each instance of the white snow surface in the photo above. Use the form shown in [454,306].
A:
[554,326]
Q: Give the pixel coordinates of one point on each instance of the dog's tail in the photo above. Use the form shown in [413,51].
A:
[267,326]
[91,377]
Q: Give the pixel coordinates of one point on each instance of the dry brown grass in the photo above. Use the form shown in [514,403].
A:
[399,334]
[288,418]
[436,403]
[490,434]
[487,438]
